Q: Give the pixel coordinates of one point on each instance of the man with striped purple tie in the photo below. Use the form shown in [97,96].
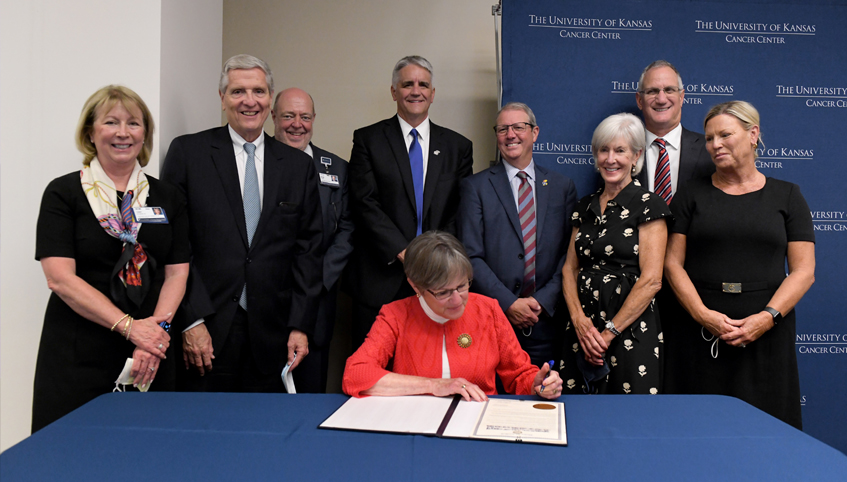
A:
[514,220]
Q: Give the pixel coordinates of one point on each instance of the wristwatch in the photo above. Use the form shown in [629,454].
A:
[611,327]
[777,316]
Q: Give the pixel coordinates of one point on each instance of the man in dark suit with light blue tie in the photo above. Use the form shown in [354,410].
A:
[404,179]
[294,116]
[255,230]
[514,220]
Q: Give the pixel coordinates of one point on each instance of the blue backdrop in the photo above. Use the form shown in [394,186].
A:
[576,62]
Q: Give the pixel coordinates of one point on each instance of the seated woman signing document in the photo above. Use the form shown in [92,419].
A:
[445,340]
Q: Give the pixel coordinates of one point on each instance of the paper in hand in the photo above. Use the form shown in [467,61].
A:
[287,379]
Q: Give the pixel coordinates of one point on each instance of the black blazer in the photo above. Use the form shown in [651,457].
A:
[337,240]
[694,160]
[382,201]
[282,267]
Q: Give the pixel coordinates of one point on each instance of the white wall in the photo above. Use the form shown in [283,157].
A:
[343,53]
[190,68]
[54,55]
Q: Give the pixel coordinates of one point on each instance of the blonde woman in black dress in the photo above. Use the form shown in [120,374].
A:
[732,235]
[116,278]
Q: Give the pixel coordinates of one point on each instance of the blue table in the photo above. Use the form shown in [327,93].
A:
[220,436]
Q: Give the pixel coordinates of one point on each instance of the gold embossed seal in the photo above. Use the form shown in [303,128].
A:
[465,340]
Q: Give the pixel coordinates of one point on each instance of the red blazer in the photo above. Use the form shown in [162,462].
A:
[403,332]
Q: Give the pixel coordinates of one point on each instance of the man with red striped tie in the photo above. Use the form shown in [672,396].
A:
[514,220]
[673,156]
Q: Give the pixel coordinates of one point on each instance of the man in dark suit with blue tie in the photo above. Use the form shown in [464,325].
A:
[255,230]
[294,116]
[404,179]
[514,220]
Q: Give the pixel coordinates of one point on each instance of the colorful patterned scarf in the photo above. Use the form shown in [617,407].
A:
[132,270]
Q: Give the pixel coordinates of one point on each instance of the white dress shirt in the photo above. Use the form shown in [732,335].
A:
[515,181]
[673,140]
[241,160]
[423,139]
[445,363]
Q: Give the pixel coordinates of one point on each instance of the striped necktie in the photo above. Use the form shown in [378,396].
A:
[662,180]
[252,206]
[526,213]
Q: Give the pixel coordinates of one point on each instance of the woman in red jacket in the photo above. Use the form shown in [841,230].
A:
[445,340]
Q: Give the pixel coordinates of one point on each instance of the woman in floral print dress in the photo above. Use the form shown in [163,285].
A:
[613,271]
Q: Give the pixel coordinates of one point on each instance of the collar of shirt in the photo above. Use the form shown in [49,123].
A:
[423,138]
[515,181]
[308,150]
[513,171]
[241,160]
[430,313]
[673,141]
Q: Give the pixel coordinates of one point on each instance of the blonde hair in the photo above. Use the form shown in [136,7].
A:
[742,110]
[101,102]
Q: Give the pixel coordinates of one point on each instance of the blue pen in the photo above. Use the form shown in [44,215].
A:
[550,364]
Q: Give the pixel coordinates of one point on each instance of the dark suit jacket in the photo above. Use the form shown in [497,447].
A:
[694,160]
[337,240]
[490,229]
[282,268]
[382,201]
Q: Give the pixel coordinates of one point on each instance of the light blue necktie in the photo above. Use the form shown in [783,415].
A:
[416,160]
[252,206]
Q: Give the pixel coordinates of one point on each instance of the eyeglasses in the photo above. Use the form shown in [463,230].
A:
[654,92]
[444,294]
[517,128]
[303,117]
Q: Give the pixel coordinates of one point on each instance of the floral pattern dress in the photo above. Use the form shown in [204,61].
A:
[607,250]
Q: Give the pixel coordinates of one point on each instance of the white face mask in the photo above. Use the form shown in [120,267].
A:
[126,380]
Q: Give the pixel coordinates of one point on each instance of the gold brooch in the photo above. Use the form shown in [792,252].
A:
[465,340]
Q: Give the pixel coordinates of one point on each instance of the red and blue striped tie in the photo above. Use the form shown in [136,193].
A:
[662,181]
[526,213]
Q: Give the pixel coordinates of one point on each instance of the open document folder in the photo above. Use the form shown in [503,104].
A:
[508,420]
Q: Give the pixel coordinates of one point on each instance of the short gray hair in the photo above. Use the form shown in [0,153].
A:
[246,62]
[657,64]
[434,258]
[620,126]
[411,60]
[519,106]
